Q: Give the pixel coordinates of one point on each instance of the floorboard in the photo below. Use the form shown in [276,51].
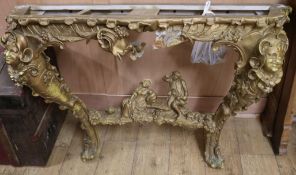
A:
[164,150]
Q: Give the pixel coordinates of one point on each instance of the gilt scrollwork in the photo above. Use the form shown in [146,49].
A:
[114,40]
[259,40]
[27,66]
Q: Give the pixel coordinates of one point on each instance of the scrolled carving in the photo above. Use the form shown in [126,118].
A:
[259,40]
[114,40]
[110,39]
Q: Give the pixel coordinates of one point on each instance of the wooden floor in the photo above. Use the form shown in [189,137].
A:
[153,150]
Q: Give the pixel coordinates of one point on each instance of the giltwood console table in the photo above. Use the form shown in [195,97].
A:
[255,32]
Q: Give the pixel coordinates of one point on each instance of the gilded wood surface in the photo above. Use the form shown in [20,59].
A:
[207,84]
[260,42]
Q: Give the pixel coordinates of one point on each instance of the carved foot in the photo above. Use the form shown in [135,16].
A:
[212,154]
[89,149]
[213,158]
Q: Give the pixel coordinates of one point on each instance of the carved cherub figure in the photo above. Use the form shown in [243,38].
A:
[178,92]
[142,97]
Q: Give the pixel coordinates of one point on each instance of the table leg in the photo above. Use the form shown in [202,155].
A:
[257,72]
[28,65]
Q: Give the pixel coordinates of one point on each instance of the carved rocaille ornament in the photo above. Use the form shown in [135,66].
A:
[259,40]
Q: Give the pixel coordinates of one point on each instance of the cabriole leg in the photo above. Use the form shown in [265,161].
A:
[258,71]
[29,66]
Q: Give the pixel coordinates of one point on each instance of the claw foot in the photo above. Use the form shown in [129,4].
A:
[89,149]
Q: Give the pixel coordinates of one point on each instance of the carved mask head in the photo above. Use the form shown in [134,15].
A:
[17,50]
[273,48]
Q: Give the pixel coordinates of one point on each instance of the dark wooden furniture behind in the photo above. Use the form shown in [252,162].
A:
[281,105]
[28,126]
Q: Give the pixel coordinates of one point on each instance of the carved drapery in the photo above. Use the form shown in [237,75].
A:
[259,40]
